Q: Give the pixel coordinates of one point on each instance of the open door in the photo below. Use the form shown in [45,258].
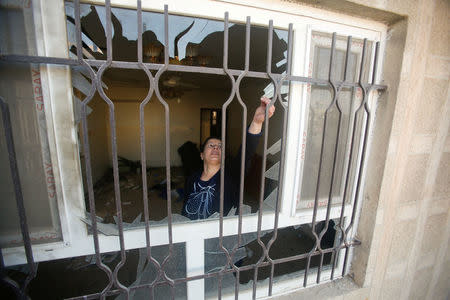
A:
[210,123]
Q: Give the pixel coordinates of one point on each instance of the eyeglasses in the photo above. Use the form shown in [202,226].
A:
[214,146]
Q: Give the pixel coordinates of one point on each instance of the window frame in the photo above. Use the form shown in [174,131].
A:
[49,17]
[303,138]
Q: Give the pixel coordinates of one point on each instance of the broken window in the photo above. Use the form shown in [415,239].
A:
[192,42]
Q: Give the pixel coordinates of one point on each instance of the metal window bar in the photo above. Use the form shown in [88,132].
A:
[283,153]
[112,123]
[144,102]
[243,143]
[85,102]
[277,80]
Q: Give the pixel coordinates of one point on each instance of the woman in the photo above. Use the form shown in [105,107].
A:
[202,190]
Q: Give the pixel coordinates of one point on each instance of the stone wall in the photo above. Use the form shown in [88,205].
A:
[404,226]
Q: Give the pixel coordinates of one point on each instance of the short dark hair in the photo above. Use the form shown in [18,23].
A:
[202,147]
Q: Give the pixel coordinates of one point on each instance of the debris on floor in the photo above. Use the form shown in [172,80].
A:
[131,193]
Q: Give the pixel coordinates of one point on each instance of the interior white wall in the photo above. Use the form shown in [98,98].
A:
[98,121]
[184,122]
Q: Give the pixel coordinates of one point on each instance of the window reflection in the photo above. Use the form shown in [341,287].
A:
[339,116]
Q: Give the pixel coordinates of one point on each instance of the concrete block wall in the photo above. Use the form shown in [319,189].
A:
[404,226]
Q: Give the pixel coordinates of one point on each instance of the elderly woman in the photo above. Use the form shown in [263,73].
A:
[202,190]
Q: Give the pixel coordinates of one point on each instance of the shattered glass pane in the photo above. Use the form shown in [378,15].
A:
[192,42]
[72,277]
[290,241]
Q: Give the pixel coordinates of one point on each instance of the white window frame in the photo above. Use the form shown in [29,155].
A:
[302,141]
[50,25]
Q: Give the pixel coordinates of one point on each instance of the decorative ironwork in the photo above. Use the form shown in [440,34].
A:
[235,76]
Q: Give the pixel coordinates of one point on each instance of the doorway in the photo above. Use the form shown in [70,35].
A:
[210,123]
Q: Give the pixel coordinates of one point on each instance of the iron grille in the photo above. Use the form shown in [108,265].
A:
[235,76]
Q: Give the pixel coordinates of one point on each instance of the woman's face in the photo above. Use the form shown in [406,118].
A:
[212,153]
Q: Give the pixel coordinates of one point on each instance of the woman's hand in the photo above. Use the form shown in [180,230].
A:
[260,115]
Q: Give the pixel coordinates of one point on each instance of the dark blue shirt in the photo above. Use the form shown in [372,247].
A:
[200,203]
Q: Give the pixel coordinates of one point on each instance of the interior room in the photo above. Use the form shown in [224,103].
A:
[194,105]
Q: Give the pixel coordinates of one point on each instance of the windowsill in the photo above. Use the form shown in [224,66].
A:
[135,238]
[329,290]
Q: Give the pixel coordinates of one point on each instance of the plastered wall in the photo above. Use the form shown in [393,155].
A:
[98,138]
[184,120]
[404,224]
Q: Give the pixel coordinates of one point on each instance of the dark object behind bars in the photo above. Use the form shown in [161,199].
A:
[190,157]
